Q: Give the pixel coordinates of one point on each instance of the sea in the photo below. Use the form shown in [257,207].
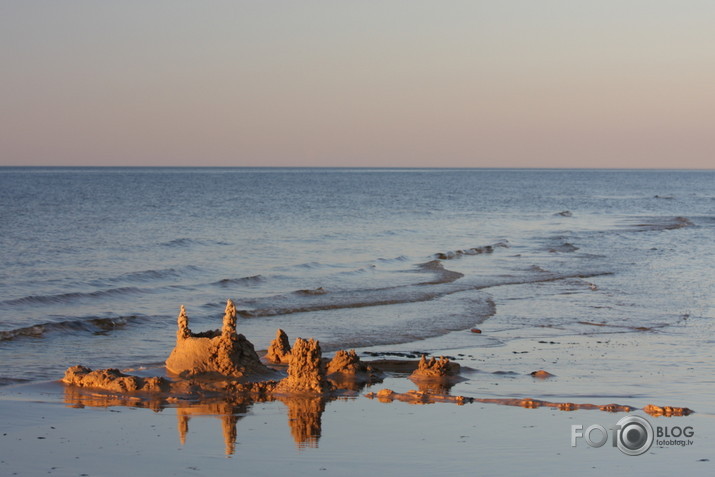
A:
[95,262]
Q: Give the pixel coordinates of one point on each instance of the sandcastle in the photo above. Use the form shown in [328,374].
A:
[224,361]
[219,351]
[223,364]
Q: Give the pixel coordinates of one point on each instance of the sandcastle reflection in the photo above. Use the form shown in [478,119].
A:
[304,413]
[228,412]
[80,397]
[434,387]
[305,419]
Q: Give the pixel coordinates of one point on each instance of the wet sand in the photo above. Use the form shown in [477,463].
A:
[51,429]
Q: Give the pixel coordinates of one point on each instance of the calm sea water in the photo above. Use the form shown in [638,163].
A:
[96,261]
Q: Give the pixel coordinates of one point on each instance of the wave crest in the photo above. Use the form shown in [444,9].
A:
[90,325]
[188,242]
[69,297]
[243,281]
[662,223]
[471,251]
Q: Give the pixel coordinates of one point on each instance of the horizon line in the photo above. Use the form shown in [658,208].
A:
[406,168]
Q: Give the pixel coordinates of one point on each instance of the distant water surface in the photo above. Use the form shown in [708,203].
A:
[96,261]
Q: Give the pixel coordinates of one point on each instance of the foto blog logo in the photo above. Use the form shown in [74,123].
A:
[632,435]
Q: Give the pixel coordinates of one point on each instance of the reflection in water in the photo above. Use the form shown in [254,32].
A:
[304,412]
[304,419]
[434,387]
[228,412]
[79,397]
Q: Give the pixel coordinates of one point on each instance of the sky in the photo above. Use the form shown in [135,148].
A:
[393,83]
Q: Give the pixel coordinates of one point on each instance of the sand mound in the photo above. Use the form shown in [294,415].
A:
[529,403]
[305,371]
[347,363]
[346,371]
[666,411]
[279,349]
[541,374]
[112,380]
[207,385]
[435,368]
[417,397]
[224,352]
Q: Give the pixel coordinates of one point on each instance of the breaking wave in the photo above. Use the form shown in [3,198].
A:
[243,281]
[565,247]
[312,292]
[69,297]
[471,251]
[150,275]
[311,302]
[401,258]
[188,242]
[442,275]
[89,325]
[338,300]
[661,223]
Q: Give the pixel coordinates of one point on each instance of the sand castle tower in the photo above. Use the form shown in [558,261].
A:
[279,350]
[305,371]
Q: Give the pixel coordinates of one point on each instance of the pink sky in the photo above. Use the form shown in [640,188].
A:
[331,83]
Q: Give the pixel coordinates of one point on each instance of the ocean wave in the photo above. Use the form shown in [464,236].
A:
[358,271]
[536,268]
[9,381]
[471,251]
[401,258]
[312,292]
[627,327]
[704,220]
[149,275]
[69,297]
[442,274]
[565,247]
[188,242]
[541,276]
[243,281]
[90,325]
[303,303]
[142,276]
[661,223]
[311,265]
[474,309]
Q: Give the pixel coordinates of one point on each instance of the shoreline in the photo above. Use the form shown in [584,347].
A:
[354,434]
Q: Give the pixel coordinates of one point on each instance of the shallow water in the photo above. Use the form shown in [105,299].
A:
[95,262]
